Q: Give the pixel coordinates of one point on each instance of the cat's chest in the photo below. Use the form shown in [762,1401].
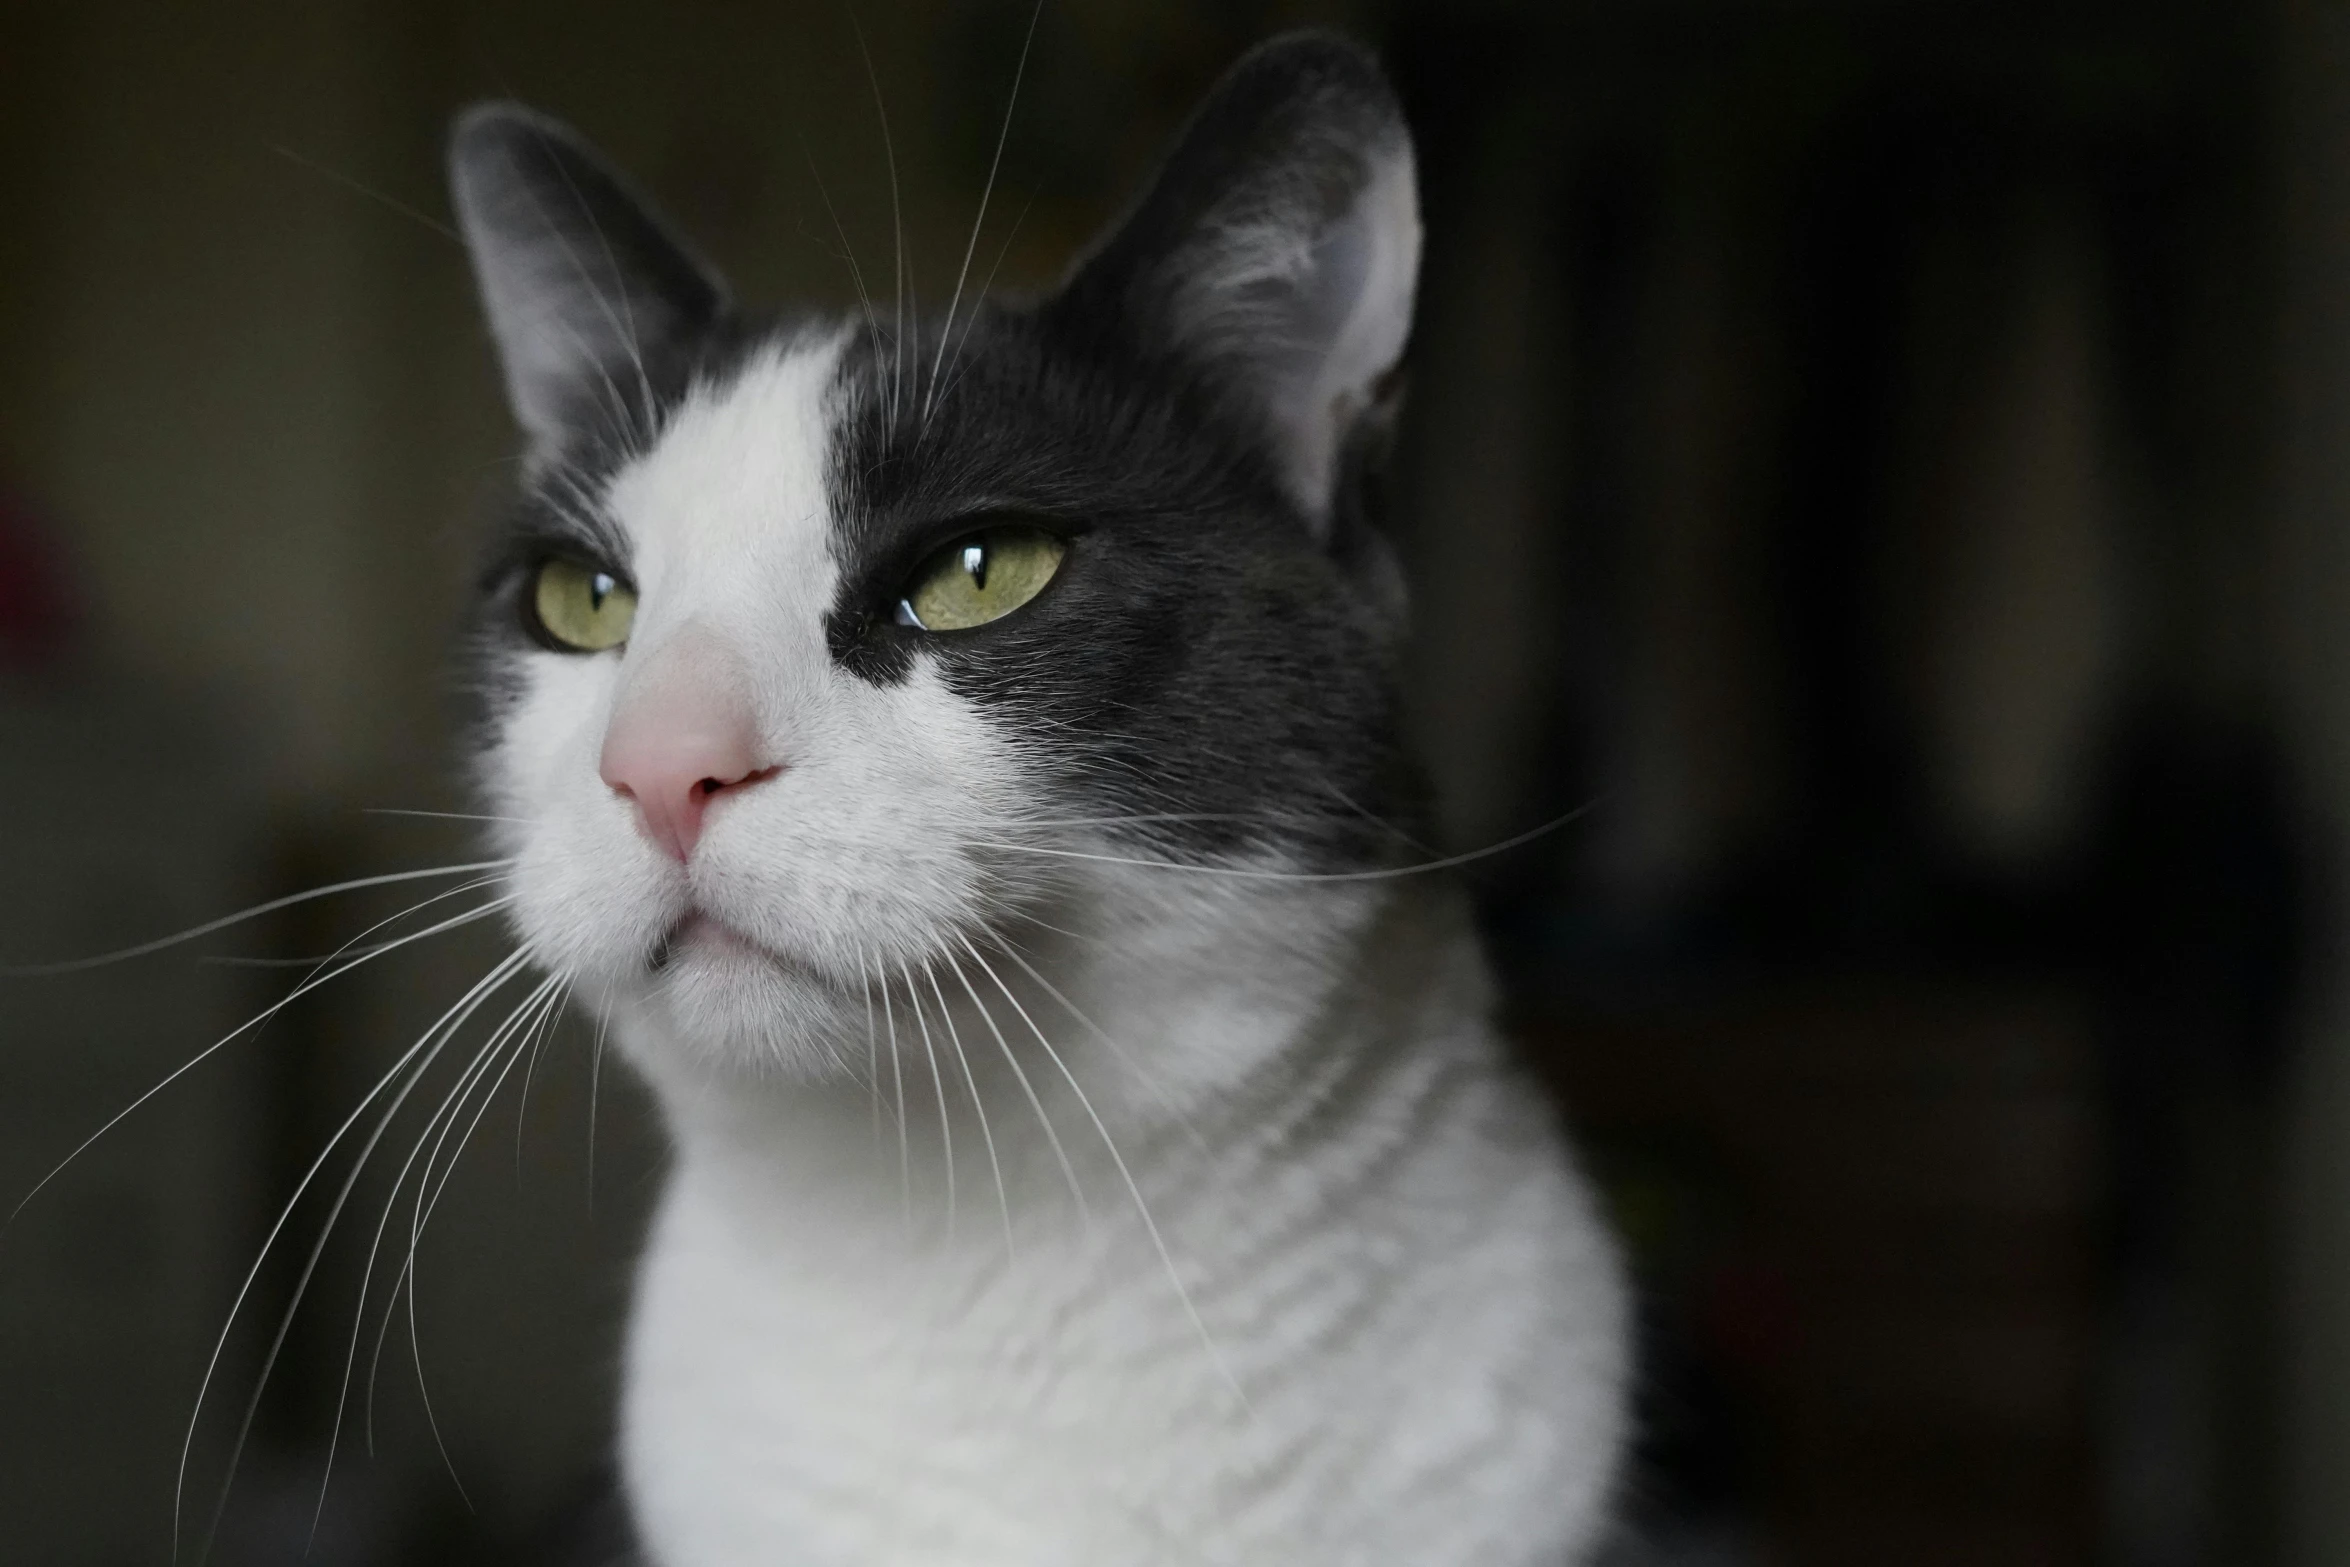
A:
[791,1401]
[1059,1406]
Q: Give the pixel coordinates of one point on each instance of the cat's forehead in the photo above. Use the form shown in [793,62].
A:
[730,506]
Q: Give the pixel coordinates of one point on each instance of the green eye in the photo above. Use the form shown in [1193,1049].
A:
[981,578]
[581,607]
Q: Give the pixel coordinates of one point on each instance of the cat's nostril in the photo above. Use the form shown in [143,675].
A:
[671,796]
[709,786]
[670,810]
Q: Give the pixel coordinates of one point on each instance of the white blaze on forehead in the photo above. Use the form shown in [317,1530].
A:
[728,514]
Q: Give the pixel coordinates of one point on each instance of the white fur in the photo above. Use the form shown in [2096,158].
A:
[1370,1316]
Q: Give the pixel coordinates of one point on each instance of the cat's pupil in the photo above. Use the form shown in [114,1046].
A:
[599,589]
[975,563]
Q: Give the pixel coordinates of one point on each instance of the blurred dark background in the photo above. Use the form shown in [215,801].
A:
[1891,463]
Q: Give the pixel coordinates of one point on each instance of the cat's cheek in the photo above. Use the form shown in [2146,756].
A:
[590,903]
[598,934]
[593,899]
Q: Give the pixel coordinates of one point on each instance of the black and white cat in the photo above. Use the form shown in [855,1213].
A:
[959,755]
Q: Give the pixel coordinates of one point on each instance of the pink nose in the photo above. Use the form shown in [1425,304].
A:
[682,735]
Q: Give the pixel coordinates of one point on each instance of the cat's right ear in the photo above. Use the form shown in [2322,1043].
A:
[1276,251]
[582,282]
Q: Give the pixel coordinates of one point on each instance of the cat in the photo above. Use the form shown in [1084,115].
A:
[959,757]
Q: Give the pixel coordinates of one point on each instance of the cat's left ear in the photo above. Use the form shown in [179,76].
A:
[1277,251]
[584,284]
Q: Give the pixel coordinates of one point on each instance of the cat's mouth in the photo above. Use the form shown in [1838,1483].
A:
[702,935]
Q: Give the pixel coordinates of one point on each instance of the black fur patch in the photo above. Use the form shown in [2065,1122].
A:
[1200,660]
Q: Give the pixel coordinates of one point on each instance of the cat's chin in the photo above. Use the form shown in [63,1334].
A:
[737,1005]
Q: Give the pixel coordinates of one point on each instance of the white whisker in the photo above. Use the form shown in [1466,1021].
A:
[1134,1190]
[538,1042]
[1149,1080]
[987,286]
[383,199]
[123,954]
[946,1130]
[447,1026]
[1019,1073]
[897,224]
[979,1105]
[987,193]
[451,1105]
[269,1242]
[595,1095]
[354,947]
[897,1073]
[872,1047]
[1250,873]
[438,816]
[423,1217]
[259,1018]
[848,252]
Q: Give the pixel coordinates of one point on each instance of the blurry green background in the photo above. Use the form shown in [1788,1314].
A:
[1895,460]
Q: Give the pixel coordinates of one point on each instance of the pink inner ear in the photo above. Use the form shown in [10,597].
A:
[683,732]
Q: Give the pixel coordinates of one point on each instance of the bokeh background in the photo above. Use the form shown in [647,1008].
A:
[1891,464]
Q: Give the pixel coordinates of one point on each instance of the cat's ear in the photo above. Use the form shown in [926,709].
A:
[1277,250]
[582,282]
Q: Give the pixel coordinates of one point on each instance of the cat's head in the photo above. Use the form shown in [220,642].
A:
[819,651]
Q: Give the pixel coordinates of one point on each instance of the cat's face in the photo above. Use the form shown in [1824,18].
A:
[819,653]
